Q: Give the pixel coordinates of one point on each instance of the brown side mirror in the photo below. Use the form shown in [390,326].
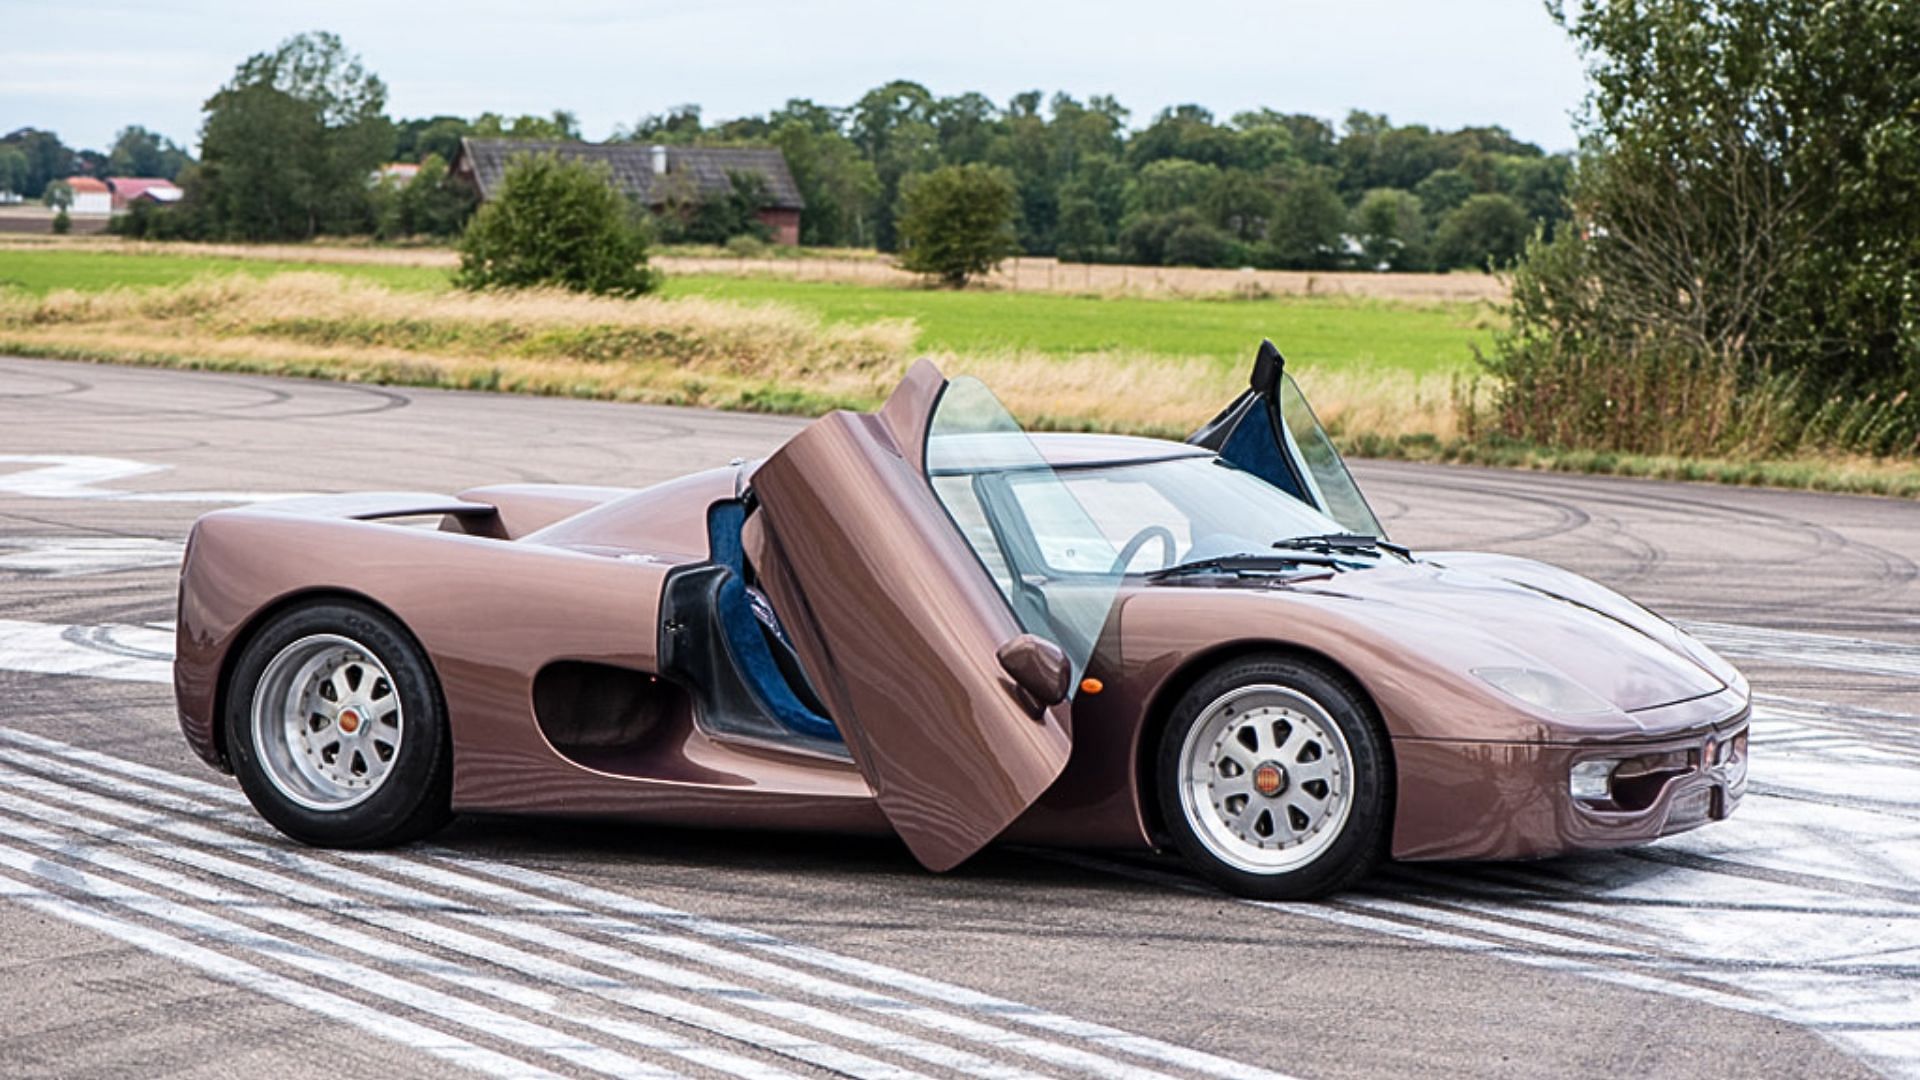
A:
[1038,668]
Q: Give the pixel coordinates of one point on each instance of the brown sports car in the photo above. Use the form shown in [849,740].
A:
[923,621]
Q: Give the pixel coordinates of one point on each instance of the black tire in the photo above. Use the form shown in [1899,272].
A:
[415,797]
[1360,841]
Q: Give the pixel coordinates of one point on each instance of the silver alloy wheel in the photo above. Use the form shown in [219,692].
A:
[326,722]
[1266,779]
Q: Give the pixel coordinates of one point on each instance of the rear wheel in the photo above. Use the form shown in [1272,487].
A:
[336,728]
[1273,779]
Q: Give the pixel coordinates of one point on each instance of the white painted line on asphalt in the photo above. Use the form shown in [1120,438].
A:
[73,556]
[1833,652]
[563,944]
[280,988]
[391,912]
[308,898]
[259,945]
[1111,1039]
[119,652]
[78,476]
[45,755]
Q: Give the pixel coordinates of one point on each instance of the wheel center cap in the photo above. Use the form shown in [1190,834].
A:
[1269,779]
[349,721]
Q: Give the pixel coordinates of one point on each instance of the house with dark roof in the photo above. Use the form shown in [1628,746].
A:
[655,176]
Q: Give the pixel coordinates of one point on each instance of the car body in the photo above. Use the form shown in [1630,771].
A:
[945,659]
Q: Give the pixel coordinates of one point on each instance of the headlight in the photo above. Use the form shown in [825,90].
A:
[1544,690]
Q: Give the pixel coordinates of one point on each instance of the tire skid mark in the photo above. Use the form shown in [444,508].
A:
[1890,569]
[48,756]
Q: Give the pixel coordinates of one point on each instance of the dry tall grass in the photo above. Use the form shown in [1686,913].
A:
[685,351]
[703,352]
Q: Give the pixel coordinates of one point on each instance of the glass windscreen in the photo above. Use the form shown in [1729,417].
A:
[1179,510]
[1326,470]
[1052,563]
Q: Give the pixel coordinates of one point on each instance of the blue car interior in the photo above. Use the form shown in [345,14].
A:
[758,646]
[1254,445]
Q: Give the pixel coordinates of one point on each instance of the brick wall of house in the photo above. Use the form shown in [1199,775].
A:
[784,223]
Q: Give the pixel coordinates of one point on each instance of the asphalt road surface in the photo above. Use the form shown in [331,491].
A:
[151,925]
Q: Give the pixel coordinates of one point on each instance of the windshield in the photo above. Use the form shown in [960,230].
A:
[1327,473]
[972,438]
[1168,512]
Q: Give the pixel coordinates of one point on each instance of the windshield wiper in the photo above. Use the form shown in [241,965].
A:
[1239,564]
[1341,544]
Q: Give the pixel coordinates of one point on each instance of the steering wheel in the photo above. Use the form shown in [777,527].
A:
[1139,540]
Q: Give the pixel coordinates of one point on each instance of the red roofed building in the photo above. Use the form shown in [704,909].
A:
[128,190]
[90,196]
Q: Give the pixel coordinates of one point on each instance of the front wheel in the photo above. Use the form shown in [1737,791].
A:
[336,728]
[1273,779]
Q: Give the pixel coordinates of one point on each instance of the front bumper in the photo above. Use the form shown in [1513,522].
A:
[1485,800]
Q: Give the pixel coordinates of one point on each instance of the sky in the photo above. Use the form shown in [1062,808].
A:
[85,69]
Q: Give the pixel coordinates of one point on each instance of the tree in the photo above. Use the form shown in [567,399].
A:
[1749,203]
[894,126]
[139,152]
[1309,222]
[429,204]
[420,138]
[1486,229]
[956,222]
[1170,184]
[840,188]
[557,222]
[1391,230]
[1199,244]
[14,170]
[58,195]
[1443,190]
[288,144]
[48,159]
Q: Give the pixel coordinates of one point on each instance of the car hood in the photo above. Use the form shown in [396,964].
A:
[1516,613]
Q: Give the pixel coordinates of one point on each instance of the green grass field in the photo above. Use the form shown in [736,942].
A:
[41,272]
[1347,334]
[1417,338]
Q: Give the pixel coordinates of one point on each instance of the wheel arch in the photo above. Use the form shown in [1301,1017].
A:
[259,620]
[1196,667]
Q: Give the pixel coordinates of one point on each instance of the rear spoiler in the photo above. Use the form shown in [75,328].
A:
[375,505]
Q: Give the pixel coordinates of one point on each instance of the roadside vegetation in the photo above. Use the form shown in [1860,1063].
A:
[1318,332]
[1748,283]
[690,349]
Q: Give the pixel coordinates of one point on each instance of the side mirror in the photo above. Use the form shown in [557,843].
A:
[1038,668]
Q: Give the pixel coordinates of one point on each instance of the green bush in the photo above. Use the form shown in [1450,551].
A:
[1744,276]
[1486,229]
[62,224]
[558,223]
[956,222]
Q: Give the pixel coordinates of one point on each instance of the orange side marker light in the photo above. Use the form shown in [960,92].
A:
[1091,686]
